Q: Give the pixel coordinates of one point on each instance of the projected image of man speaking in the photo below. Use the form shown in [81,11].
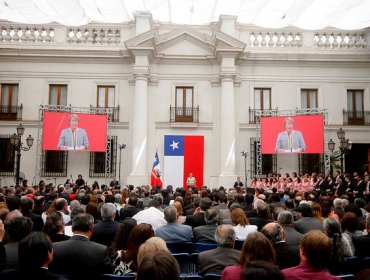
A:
[290,140]
[73,137]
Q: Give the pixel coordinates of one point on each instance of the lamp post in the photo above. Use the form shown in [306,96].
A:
[245,154]
[16,141]
[121,147]
[345,145]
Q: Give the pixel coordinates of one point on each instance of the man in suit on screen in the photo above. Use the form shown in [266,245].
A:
[290,140]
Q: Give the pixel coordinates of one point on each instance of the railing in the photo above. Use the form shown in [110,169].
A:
[112,112]
[349,40]
[11,113]
[253,115]
[184,114]
[356,117]
[275,39]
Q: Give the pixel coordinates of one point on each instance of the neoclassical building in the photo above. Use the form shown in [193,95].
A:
[154,79]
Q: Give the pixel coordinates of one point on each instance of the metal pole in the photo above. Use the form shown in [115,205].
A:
[18,166]
[341,162]
[245,170]
[119,171]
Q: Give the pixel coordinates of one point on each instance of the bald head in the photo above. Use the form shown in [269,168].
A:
[274,232]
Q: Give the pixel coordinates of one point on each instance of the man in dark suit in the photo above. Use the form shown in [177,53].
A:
[263,215]
[26,209]
[78,257]
[362,242]
[238,183]
[105,232]
[292,236]
[307,221]
[130,209]
[286,255]
[197,219]
[35,255]
[215,260]
[206,233]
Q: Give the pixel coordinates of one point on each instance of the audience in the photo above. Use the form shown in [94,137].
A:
[313,202]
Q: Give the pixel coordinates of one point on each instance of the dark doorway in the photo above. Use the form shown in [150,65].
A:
[358,159]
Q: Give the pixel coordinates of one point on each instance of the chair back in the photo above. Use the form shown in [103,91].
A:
[201,247]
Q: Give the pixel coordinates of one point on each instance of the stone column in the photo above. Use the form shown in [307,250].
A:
[139,125]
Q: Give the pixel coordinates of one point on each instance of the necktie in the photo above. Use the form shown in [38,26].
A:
[290,141]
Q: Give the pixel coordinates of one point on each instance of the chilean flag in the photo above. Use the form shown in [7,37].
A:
[183,155]
[155,177]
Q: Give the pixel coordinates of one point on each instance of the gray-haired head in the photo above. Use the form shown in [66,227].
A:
[285,218]
[210,216]
[108,211]
[170,214]
[225,236]
[274,232]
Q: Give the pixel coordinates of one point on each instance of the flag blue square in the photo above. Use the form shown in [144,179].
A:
[174,145]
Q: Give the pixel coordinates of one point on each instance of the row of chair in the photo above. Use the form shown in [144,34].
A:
[197,247]
[187,277]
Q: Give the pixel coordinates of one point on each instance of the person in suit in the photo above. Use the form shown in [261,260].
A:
[17,228]
[26,209]
[290,140]
[292,236]
[238,183]
[197,219]
[73,137]
[35,254]
[78,257]
[173,232]
[105,231]
[206,233]
[307,221]
[215,260]
[362,243]
[286,255]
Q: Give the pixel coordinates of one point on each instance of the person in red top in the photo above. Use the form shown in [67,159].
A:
[315,252]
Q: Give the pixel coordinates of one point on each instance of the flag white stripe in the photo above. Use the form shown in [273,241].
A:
[173,171]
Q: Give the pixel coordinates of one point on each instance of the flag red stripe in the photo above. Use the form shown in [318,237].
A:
[193,158]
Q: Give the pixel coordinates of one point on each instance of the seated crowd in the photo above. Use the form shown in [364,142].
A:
[297,227]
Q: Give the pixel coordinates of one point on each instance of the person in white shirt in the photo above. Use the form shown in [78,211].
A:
[241,224]
[153,215]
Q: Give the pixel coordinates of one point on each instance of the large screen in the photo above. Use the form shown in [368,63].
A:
[292,134]
[74,132]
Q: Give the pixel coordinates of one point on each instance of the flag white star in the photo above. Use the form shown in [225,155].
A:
[174,145]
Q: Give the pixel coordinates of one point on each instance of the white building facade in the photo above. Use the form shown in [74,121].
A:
[159,79]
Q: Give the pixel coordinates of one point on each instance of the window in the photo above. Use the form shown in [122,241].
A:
[309,98]
[355,107]
[7,156]
[98,160]
[58,95]
[105,96]
[262,98]
[9,102]
[105,99]
[54,163]
[268,163]
[309,163]
[184,107]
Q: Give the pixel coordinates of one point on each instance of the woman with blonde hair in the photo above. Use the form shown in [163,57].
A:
[150,247]
[180,210]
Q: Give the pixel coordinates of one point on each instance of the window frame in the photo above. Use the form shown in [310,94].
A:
[59,93]
[307,93]
[7,158]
